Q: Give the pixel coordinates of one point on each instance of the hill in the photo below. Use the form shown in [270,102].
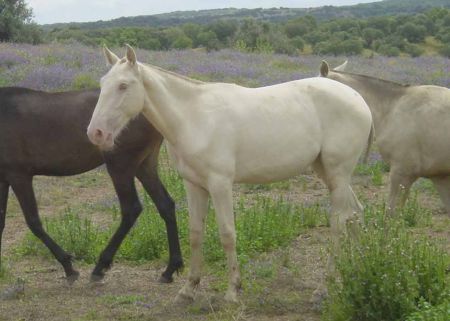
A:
[381,8]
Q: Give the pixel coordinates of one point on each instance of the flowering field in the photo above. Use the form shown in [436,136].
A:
[398,270]
[61,67]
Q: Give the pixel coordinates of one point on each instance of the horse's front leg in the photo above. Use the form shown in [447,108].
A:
[4,188]
[197,198]
[123,180]
[222,197]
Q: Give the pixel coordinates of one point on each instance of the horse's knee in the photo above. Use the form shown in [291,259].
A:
[196,237]
[131,213]
[228,239]
[35,225]
[166,210]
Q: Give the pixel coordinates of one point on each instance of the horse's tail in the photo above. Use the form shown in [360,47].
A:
[369,143]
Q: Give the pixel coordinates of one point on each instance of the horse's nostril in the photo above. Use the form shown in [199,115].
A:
[98,133]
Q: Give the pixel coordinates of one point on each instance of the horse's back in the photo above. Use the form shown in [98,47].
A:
[44,133]
[287,126]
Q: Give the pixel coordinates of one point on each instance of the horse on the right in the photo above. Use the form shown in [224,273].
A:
[412,128]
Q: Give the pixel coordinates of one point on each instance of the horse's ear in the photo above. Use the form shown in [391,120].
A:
[341,67]
[324,69]
[111,58]
[131,55]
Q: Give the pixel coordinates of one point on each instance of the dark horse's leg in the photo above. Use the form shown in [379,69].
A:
[23,188]
[148,175]
[4,188]
[122,175]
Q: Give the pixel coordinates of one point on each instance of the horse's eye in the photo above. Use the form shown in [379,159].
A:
[123,86]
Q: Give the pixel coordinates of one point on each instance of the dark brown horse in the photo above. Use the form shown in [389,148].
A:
[45,134]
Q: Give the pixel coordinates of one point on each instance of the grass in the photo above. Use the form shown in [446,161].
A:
[375,171]
[262,224]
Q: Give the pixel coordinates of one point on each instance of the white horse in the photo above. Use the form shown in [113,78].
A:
[219,134]
[412,128]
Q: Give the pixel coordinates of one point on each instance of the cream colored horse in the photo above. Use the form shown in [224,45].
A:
[219,134]
[412,127]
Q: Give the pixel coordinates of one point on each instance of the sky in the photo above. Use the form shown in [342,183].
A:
[51,11]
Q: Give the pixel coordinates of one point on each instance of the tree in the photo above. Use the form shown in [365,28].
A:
[300,26]
[412,32]
[13,15]
[224,29]
[370,35]
[208,39]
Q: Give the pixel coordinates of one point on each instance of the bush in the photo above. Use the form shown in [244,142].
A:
[385,274]
[445,50]
[389,51]
[414,50]
[428,312]
[182,42]
[74,234]
[84,81]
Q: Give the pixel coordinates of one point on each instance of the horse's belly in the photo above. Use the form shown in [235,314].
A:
[275,165]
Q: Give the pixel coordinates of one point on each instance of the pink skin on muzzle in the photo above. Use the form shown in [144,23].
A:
[100,138]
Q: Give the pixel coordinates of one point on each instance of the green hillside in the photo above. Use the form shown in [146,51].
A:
[382,8]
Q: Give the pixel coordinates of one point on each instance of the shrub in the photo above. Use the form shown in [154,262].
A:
[428,312]
[445,50]
[389,50]
[414,50]
[385,274]
[76,235]
[84,81]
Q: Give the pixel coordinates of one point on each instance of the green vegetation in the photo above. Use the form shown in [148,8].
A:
[429,312]
[84,81]
[388,273]
[15,22]
[375,170]
[262,225]
[386,35]
[389,28]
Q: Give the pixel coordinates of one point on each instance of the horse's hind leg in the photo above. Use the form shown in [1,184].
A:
[148,176]
[23,189]
[442,185]
[123,180]
[399,186]
[4,188]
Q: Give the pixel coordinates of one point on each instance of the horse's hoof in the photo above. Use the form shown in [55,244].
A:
[97,278]
[165,279]
[72,277]
[183,299]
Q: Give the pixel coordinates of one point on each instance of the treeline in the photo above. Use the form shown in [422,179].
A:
[362,10]
[386,35]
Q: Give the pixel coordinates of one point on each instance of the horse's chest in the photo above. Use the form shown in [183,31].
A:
[186,167]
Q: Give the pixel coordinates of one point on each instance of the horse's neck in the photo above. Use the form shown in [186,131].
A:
[168,104]
[381,96]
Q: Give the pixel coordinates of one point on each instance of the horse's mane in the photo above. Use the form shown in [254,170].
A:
[372,78]
[195,81]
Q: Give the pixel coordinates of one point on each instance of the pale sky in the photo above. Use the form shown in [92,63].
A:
[51,11]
